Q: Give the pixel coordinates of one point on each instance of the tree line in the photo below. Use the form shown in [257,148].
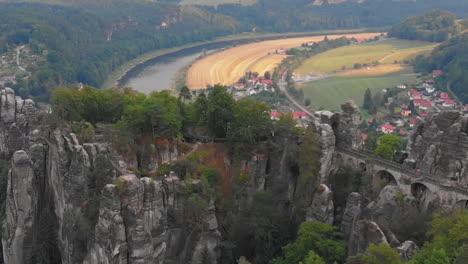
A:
[450,57]
[435,26]
[82,44]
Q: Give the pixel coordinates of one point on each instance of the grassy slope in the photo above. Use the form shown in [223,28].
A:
[387,50]
[332,92]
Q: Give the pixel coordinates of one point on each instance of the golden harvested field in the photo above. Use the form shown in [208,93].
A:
[407,54]
[373,71]
[228,66]
[268,63]
[385,51]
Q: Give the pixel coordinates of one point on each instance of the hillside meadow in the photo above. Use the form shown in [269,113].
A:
[330,93]
[385,51]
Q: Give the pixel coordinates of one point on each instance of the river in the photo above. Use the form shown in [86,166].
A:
[157,74]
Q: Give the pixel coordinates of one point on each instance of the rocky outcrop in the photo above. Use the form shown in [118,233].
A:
[439,146]
[321,209]
[366,233]
[407,250]
[351,214]
[132,223]
[347,126]
[21,207]
[17,118]
[326,137]
[54,177]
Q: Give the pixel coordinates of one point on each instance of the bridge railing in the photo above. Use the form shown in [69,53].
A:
[400,168]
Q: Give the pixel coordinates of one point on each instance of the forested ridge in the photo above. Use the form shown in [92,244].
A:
[452,58]
[85,45]
[300,15]
[83,41]
[435,26]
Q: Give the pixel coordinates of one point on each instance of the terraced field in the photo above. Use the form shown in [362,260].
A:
[226,67]
[268,63]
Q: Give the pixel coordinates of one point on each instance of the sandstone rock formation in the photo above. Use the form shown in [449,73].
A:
[407,250]
[366,233]
[21,205]
[346,125]
[439,146]
[351,214]
[321,209]
[50,180]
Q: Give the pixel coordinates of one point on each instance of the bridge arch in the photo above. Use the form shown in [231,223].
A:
[462,204]
[427,200]
[362,166]
[385,177]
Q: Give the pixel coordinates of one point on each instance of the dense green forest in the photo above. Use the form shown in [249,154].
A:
[83,41]
[300,15]
[435,26]
[451,57]
[85,45]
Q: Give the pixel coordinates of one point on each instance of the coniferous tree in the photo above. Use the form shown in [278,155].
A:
[368,104]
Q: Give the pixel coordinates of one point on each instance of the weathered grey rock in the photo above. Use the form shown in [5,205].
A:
[407,250]
[7,105]
[366,233]
[346,125]
[351,214]
[21,205]
[327,150]
[439,146]
[110,244]
[321,209]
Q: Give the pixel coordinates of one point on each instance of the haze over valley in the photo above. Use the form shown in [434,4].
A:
[233,132]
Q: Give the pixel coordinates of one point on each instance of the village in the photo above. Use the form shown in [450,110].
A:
[413,106]
[16,64]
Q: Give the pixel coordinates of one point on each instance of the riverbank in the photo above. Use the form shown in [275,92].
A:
[118,74]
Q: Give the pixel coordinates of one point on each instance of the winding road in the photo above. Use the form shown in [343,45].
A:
[282,85]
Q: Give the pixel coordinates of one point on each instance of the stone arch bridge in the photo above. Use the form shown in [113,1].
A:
[449,194]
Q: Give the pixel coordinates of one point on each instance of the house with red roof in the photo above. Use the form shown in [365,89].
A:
[403,132]
[361,40]
[425,105]
[424,114]
[299,115]
[239,86]
[449,103]
[387,128]
[444,96]
[405,112]
[254,81]
[413,94]
[418,102]
[412,121]
[431,81]
[436,73]
[275,115]
[267,82]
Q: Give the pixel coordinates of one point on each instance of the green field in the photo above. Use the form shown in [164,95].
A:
[332,92]
[383,51]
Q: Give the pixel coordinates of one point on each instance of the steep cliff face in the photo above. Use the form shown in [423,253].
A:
[347,126]
[57,213]
[439,146]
